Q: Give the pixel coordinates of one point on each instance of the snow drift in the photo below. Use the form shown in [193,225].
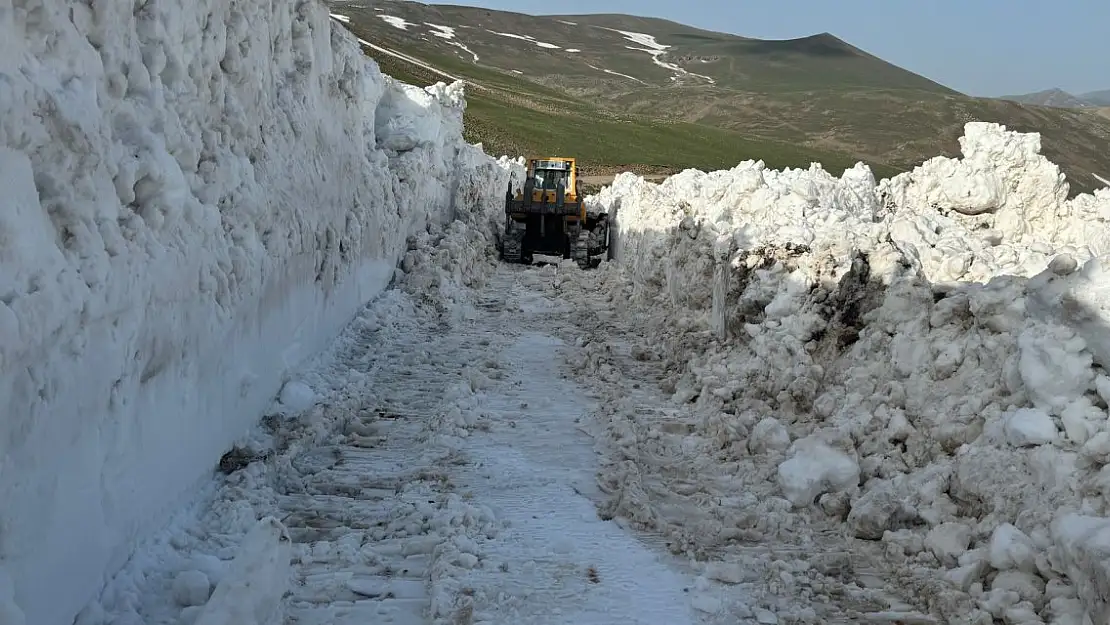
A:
[196,198]
[919,362]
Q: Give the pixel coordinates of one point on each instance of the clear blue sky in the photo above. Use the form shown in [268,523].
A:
[979,47]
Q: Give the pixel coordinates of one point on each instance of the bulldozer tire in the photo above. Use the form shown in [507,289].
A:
[511,249]
[580,250]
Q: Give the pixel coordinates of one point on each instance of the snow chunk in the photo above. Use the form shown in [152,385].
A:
[948,541]
[1083,547]
[814,469]
[768,435]
[1055,365]
[1030,427]
[1010,548]
[191,588]
[296,396]
[259,576]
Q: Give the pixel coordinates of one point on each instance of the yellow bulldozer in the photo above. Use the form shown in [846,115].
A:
[547,216]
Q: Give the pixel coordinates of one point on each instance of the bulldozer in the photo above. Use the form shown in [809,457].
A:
[547,216]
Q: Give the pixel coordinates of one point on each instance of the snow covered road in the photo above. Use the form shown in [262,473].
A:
[437,473]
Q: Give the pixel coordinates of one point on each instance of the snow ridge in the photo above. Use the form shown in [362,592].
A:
[910,371]
[198,198]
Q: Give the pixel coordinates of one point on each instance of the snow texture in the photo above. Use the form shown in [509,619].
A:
[441,477]
[197,197]
[910,371]
[257,579]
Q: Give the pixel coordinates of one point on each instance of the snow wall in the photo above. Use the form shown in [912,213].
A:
[920,361]
[196,198]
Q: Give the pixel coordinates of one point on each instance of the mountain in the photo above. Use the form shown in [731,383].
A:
[1097,98]
[1051,97]
[626,92]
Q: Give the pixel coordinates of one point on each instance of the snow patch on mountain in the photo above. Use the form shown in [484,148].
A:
[916,365]
[528,38]
[609,71]
[199,197]
[448,33]
[657,50]
[396,22]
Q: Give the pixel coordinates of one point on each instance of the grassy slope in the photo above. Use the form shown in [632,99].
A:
[787,102]
[514,116]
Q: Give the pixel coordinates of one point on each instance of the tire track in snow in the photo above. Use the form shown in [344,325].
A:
[440,478]
[536,468]
[375,508]
[675,485]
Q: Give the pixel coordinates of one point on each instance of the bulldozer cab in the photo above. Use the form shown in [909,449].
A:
[547,176]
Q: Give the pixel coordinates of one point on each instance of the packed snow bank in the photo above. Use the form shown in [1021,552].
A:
[196,199]
[251,592]
[918,362]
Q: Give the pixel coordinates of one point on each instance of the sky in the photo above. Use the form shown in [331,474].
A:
[978,47]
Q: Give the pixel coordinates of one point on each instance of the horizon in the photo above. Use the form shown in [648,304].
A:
[1004,63]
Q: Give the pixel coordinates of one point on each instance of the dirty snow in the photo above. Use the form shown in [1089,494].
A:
[441,476]
[198,197]
[908,374]
[340,17]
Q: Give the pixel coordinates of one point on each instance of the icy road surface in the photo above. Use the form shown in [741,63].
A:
[437,474]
